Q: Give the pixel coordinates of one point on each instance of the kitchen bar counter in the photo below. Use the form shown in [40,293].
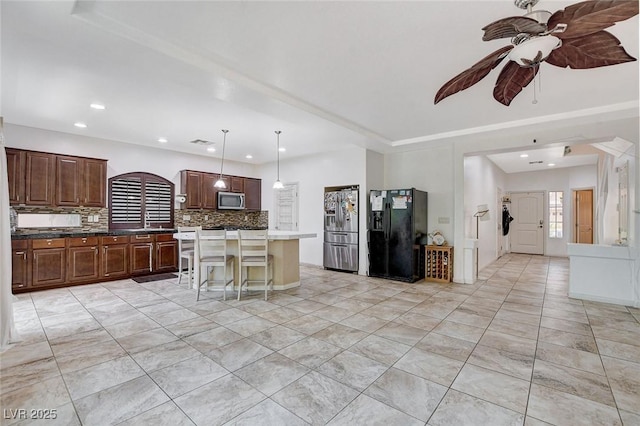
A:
[283,245]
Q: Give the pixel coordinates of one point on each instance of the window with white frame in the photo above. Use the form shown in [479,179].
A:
[555,214]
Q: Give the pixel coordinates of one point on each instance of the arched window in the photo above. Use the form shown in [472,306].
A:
[140,200]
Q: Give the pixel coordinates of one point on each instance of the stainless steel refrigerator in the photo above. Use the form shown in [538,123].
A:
[341,229]
[397,223]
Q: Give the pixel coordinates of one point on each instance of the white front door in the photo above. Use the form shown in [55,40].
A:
[527,228]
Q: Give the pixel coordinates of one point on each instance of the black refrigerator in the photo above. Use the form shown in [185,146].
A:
[397,222]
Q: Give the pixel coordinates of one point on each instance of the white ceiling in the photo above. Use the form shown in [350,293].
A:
[328,74]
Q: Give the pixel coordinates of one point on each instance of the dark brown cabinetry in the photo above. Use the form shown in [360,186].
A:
[253,193]
[49,262]
[80,181]
[201,194]
[141,254]
[20,264]
[166,252]
[59,262]
[84,259]
[44,179]
[40,178]
[237,184]
[115,257]
[15,175]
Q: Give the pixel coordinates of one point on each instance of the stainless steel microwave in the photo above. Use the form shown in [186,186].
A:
[230,201]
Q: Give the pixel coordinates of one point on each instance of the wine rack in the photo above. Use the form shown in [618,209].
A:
[439,264]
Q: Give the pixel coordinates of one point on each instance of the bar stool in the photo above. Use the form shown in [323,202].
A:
[186,250]
[253,253]
[211,253]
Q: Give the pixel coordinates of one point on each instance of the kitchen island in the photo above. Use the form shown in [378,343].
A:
[283,245]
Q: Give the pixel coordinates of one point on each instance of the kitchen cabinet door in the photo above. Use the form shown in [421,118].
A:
[237,184]
[84,263]
[191,187]
[253,193]
[40,178]
[68,180]
[15,175]
[94,183]
[141,256]
[166,253]
[19,264]
[115,261]
[49,267]
[209,192]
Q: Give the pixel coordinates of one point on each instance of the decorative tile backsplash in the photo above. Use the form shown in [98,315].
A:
[94,219]
[210,218]
[98,216]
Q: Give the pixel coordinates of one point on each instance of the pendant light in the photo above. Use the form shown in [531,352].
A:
[220,183]
[277,184]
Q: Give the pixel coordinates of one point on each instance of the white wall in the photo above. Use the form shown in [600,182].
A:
[564,179]
[313,174]
[427,170]
[482,178]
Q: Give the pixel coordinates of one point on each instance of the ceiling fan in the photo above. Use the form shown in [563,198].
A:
[573,37]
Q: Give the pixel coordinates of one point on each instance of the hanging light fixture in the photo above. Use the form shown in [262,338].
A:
[277,184]
[220,183]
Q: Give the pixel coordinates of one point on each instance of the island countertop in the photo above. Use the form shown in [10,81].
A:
[273,234]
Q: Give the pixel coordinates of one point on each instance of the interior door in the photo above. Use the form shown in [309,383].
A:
[583,202]
[526,231]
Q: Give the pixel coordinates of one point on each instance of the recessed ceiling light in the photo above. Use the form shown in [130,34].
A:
[249,156]
[162,140]
[551,164]
[81,125]
[282,149]
[524,155]
[97,106]
[211,149]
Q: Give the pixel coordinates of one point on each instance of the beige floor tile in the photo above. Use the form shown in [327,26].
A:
[460,409]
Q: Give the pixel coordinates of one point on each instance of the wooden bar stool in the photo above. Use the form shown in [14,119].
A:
[253,253]
[186,251]
[211,251]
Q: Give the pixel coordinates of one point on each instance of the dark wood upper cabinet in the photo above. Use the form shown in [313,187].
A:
[191,187]
[94,179]
[237,184]
[44,179]
[16,175]
[40,178]
[253,193]
[68,180]
[209,191]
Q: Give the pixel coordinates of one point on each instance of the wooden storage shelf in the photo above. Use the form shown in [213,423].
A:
[438,264]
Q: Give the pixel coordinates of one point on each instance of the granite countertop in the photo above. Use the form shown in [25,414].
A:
[99,233]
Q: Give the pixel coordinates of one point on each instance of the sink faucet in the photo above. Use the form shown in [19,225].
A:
[147,218]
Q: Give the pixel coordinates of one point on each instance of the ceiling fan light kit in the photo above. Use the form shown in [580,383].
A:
[573,38]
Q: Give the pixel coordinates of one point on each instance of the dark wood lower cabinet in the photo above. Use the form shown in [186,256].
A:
[166,253]
[59,262]
[141,258]
[49,267]
[84,263]
[19,272]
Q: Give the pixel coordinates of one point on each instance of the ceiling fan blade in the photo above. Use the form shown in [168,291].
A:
[512,79]
[471,76]
[589,17]
[594,50]
[511,27]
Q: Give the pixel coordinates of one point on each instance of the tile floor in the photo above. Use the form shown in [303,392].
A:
[512,349]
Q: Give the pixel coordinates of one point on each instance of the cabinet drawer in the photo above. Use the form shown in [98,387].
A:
[83,241]
[142,238]
[49,243]
[19,244]
[120,239]
[164,237]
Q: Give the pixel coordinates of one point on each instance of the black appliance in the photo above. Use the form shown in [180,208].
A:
[397,223]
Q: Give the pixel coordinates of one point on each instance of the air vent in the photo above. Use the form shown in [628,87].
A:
[536,162]
[201,142]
